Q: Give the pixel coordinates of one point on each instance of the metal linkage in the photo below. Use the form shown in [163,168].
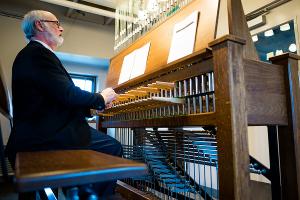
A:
[182,162]
[258,168]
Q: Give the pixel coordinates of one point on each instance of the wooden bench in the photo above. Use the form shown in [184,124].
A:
[38,170]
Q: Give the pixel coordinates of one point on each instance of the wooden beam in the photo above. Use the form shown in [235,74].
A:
[230,92]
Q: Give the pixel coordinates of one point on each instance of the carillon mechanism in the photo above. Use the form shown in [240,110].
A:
[188,118]
[194,95]
[182,162]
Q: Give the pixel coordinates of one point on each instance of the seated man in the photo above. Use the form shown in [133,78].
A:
[48,109]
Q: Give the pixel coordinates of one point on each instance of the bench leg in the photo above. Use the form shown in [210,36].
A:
[48,194]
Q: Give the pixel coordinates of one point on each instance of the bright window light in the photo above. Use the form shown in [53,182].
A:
[293,48]
[285,27]
[269,33]
[85,82]
[254,38]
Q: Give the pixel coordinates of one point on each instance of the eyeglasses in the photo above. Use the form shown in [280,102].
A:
[53,21]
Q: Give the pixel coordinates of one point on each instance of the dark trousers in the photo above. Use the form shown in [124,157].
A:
[105,144]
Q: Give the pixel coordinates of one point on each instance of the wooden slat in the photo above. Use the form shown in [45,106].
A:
[162,85]
[149,89]
[144,104]
[37,170]
[204,119]
[137,92]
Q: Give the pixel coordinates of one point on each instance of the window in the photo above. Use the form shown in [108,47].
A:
[85,82]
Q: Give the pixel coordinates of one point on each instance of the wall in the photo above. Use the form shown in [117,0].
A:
[80,37]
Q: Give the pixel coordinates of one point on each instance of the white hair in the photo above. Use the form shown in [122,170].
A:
[28,23]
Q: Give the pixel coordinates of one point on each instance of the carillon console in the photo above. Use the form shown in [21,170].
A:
[188,119]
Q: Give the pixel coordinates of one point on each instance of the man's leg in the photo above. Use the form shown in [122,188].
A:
[105,144]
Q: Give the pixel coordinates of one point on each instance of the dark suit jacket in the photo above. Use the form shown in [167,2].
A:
[48,109]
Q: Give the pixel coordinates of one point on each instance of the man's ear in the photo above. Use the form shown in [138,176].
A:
[39,26]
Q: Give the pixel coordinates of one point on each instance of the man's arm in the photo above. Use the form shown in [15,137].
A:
[51,78]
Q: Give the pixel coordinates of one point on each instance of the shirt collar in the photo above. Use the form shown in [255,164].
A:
[44,44]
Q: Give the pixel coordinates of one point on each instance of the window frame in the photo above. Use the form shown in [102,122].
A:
[86,77]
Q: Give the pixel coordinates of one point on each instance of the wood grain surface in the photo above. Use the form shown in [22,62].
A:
[37,170]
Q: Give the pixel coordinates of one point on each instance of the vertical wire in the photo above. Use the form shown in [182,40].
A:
[211,180]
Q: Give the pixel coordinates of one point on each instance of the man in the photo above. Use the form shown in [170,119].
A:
[48,109]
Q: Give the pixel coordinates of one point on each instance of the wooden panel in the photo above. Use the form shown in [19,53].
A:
[160,38]
[205,119]
[36,170]
[265,92]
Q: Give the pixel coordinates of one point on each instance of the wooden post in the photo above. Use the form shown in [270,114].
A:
[233,152]
[289,136]
[274,163]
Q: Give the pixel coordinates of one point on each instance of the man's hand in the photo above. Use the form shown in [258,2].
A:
[108,95]
[107,106]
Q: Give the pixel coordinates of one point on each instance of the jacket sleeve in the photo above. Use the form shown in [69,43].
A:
[52,78]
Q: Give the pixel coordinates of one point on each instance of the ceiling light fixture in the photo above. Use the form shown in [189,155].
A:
[269,33]
[293,47]
[279,52]
[285,27]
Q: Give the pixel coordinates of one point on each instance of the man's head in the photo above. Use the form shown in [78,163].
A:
[43,25]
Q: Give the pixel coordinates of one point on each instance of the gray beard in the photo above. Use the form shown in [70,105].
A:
[57,40]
